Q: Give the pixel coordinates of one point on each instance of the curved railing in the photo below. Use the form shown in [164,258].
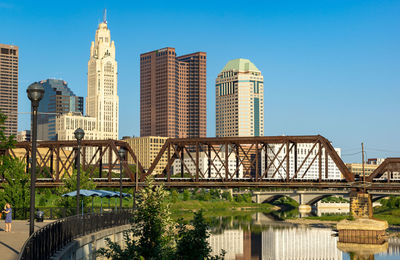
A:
[51,238]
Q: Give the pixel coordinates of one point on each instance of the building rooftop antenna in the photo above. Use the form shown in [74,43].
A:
[105,16]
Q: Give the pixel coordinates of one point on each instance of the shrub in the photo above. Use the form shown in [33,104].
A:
[186,195]
[226,195]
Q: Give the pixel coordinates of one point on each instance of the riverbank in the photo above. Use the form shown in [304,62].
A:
[185,209]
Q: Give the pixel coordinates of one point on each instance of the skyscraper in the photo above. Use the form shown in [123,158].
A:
[173,94]
[239,90]
[102,100]
[101,119]
[58,99]
[9,87]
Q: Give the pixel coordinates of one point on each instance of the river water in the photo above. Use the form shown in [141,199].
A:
[261,236]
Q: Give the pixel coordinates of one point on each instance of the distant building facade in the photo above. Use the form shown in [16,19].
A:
[239,90]
[146,149]
[9,55]
[24,136]
[213,170]
[308,171]
[66,124]
[173,94]
[58,99]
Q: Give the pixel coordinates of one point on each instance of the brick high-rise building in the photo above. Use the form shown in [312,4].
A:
[9,87]
[173,94]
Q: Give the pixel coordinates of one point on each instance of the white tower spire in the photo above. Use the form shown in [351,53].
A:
[105,16]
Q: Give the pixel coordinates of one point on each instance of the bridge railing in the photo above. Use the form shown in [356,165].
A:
[46,241]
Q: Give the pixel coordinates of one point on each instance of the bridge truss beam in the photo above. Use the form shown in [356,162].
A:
[57,159]
[248,153]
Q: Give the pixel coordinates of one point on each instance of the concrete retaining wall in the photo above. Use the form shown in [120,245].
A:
[85,247]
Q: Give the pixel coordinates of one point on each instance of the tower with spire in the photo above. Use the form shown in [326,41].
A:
[102,100]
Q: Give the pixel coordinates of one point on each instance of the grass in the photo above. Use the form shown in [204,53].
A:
[185,209]
[329,217]
[392,216]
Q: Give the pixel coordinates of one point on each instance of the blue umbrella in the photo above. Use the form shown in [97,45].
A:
[124,195]
[110,194]
[106,194]
[84,193]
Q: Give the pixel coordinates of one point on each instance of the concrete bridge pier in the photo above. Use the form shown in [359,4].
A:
[303,207]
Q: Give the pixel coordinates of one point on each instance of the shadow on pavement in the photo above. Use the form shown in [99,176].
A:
[9,247]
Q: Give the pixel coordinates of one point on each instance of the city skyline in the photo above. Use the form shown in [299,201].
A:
[344,56]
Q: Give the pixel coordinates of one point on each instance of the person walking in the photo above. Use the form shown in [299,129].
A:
[8,211]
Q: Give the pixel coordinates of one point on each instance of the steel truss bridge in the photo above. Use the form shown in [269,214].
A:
[270,161]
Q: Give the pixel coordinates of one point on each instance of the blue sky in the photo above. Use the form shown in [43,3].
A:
[329,67]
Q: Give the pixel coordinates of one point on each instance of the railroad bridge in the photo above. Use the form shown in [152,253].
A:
[256,157]
[263,162]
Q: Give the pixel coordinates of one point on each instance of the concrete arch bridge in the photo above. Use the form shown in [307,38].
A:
[311,197]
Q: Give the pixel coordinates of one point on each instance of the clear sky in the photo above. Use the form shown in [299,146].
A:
[329,67]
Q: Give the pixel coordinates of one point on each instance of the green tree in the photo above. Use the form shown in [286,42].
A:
[186,195]
[5,142]
[152,235]
[151,226]
[192,243]
[16,186]
[69,203]
[226,195]
[174,195]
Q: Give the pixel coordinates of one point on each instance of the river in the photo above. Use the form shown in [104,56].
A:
[261,236]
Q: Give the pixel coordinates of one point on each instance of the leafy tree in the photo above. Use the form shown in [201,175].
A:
[152,234]
[151,225]
[192,243]
[16,186]
[186,195]
[226,195]
[5,142]
[69,203]
[174,196]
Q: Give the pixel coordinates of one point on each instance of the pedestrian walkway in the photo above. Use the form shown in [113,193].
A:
[12,242]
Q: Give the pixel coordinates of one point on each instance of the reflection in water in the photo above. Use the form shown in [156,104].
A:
[362,251]
[299,243]
[261,237]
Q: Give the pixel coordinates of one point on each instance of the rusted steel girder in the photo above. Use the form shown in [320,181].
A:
[389,165]
[247,151]
[55,159]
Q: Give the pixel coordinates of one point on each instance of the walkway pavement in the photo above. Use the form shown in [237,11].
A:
[11,243]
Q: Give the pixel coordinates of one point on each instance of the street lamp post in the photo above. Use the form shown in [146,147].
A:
[35,94]
[122,154]
[79,134]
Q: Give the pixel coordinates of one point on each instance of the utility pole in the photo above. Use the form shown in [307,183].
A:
[363,169]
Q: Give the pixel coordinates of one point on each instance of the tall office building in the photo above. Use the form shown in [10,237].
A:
[58,99]
[173,94]
[9,87]
[239,100]
[102,99]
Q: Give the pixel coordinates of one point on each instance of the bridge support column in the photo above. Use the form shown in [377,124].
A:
[360,205]
[303,208]
[364,229]
[258,198]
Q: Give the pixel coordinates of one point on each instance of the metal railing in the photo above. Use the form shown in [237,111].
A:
[46,241]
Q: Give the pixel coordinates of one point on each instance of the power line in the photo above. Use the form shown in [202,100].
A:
[352,153]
